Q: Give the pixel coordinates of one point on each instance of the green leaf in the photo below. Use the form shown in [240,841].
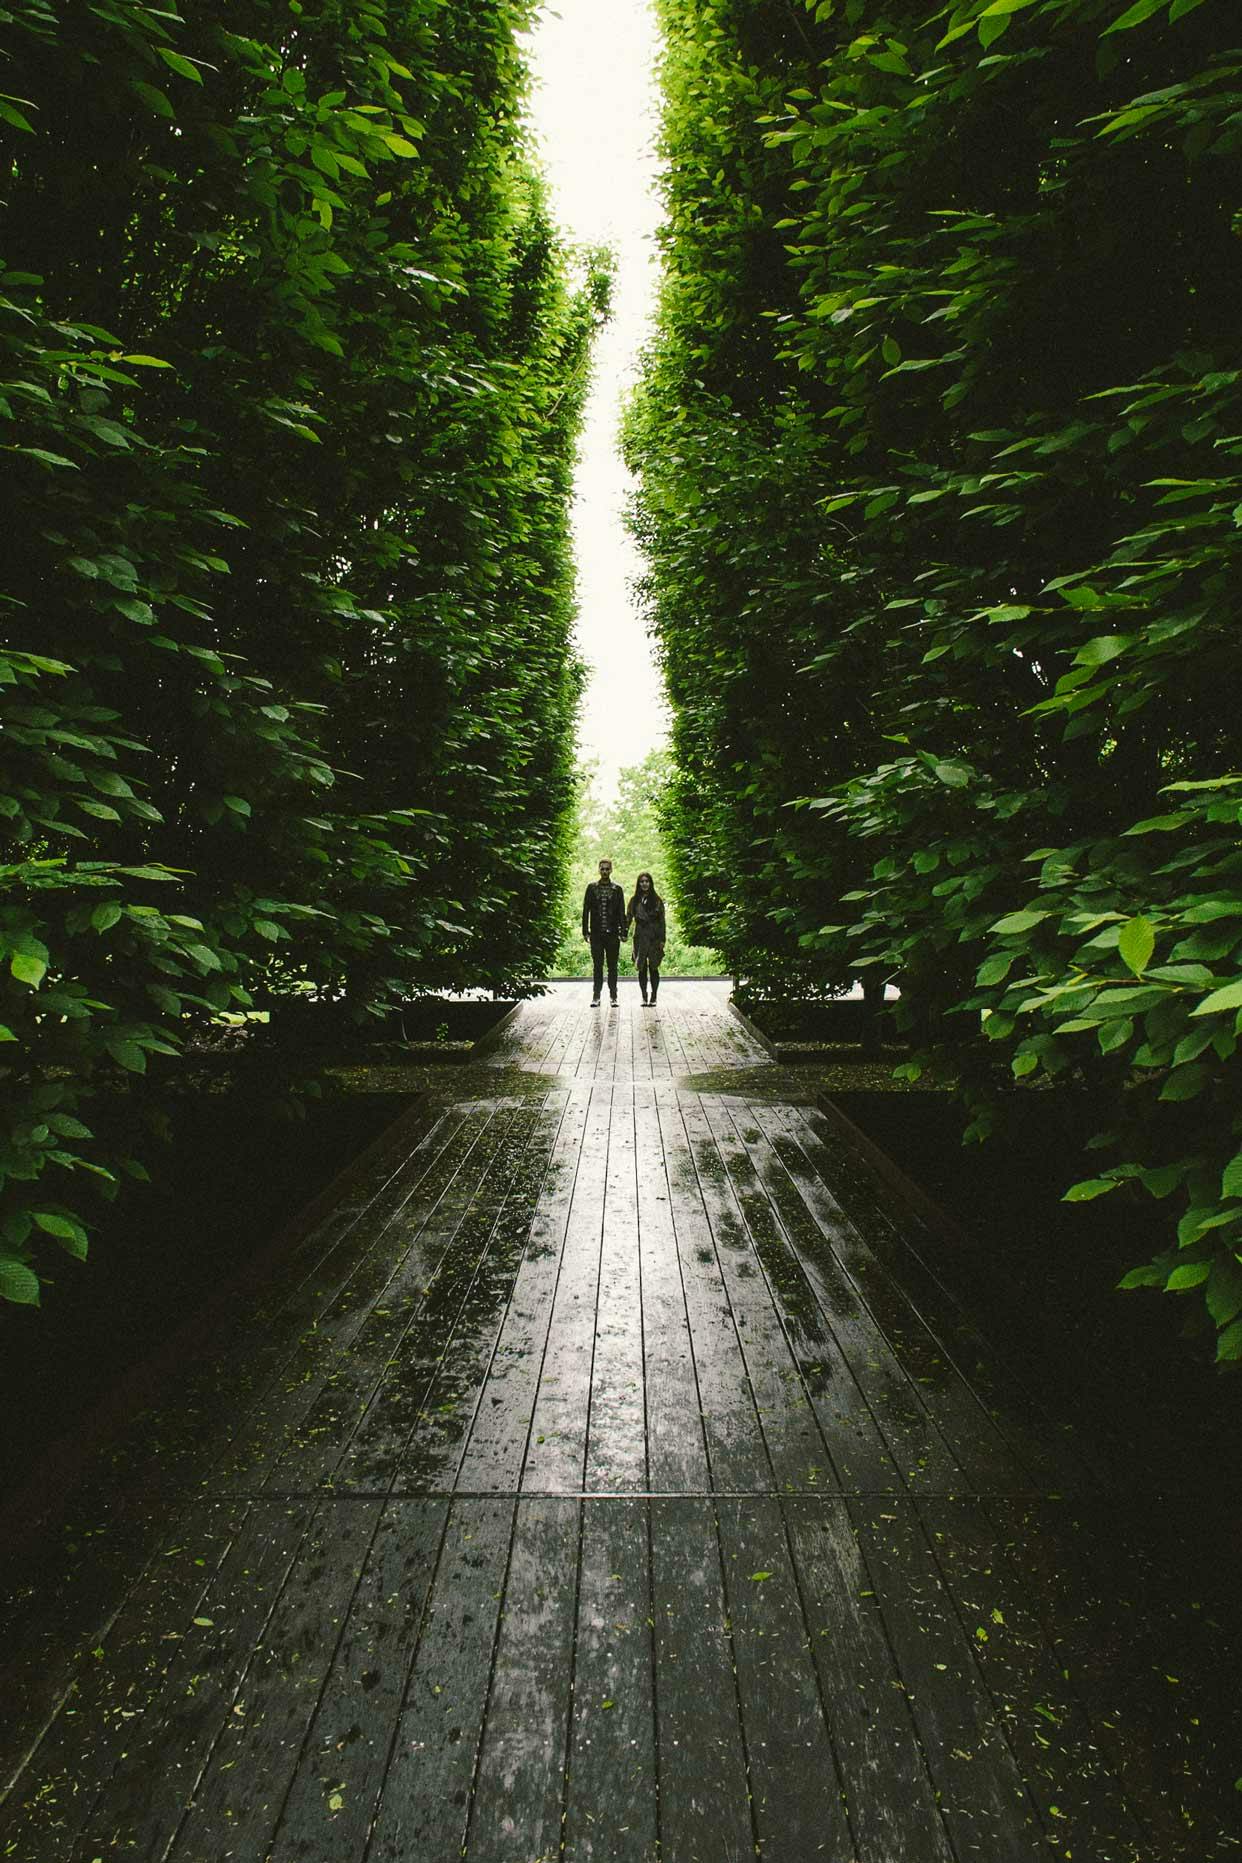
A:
[67,1127]
[1089,1188]
[1019,922]
[1224,1289]
[1228,1346]
[127,1054]
[1115,1034]
[1136,943]
[69,1233]
[204,956]
[10,115]
[1151,1276]
[183,68]
[1103,648]
[1133,16]
[103,918]
[154,97]
[1189,1274]
[49,459]
[1230,997]
[18,1283]
[27,969]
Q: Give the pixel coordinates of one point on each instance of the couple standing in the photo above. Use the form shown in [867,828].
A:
[605,917]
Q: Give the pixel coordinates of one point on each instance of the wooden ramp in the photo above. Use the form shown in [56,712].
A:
[607,1476]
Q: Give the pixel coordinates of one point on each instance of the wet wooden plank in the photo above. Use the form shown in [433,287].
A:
[386,1331]
[425,1803]
[819,1430]
[1047,1446]
[414,1429]
[872,1419]
[97,1701]
[519,1789]
[1080,1800]
[737,1455]
[1146,1625]
[244,1779]
[610,1810]
[348,1746]
[616,1458]
[666,1030]
[889,1790]
[676,1449]
[141,1805]
[981,1791]
[798,1791]
[705,1797]
[333,1319]
[500,1429]
[556,1456]
[947,1438]
[171,1446]
[981,1449]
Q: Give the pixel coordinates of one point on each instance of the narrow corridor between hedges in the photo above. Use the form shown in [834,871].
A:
[608,1474]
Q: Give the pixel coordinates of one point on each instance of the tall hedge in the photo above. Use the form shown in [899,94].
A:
[985,264]
[293,366]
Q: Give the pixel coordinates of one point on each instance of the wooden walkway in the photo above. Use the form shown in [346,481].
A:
[608,1475]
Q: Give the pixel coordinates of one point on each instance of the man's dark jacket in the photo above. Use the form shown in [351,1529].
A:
[603,910]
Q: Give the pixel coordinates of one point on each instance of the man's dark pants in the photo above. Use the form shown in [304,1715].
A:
[602,948]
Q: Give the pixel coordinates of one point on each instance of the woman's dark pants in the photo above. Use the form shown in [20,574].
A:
[645,964]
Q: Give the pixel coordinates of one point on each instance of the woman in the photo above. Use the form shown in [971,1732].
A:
[645,913]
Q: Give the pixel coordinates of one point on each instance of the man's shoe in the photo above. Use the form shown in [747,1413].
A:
[612,1002]
[595,1002]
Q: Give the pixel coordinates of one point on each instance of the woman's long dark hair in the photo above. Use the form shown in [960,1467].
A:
[653,896]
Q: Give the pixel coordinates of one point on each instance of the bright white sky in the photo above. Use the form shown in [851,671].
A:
[594,116]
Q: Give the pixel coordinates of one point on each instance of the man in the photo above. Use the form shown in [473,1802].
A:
[603,923]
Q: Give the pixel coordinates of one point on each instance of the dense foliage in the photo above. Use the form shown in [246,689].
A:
[944,412]
[293,363]
[625,824]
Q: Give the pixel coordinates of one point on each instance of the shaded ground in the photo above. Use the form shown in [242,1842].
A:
[613,1473]
[240,1156]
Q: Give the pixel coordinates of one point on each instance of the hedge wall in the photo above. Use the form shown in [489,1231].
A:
[293,364]
[941,479]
